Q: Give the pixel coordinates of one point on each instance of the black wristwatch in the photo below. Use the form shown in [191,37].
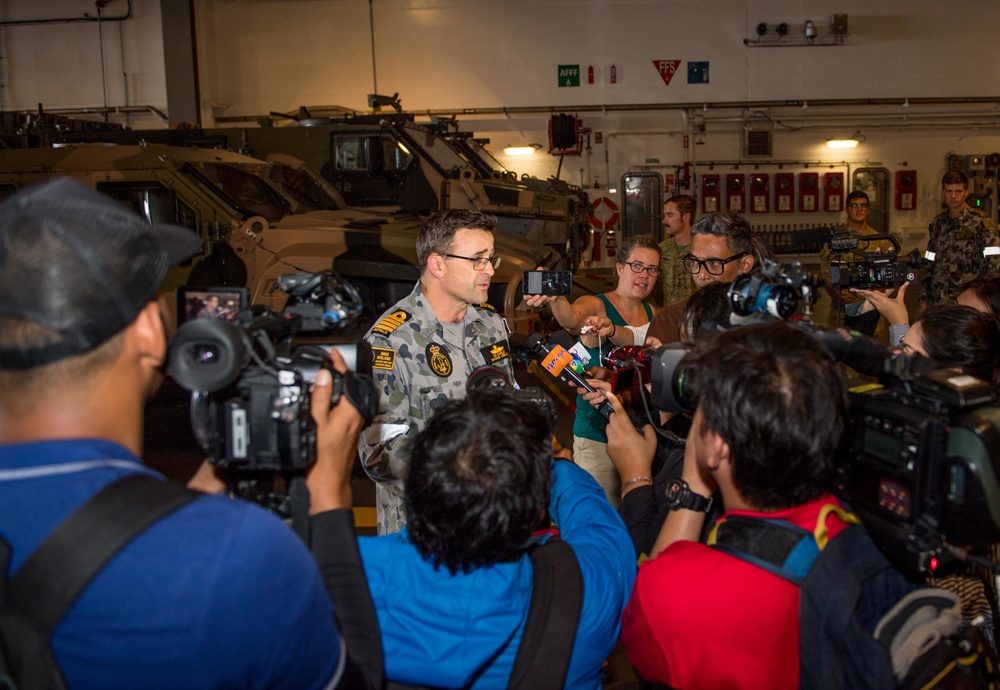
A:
[679,495]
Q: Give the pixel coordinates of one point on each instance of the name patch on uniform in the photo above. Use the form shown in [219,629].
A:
[391,322]
[438,359]
[496,352]
[383,358]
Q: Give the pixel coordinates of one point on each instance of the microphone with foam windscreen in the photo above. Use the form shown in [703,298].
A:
[559,363]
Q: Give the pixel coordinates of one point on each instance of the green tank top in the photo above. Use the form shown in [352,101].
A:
[588,422]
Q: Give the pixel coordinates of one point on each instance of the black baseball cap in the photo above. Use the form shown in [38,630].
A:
[80,263]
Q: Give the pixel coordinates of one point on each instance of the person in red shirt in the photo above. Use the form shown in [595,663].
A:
[770,414]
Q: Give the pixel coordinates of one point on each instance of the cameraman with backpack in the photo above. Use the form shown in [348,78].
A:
[770,415]
[207,592]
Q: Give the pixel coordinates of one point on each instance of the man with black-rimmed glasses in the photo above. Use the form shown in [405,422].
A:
[721,249]
[426,345]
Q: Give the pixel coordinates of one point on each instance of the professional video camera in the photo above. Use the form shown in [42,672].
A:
[787,292]
[852,265]
[250,384]
[921,463]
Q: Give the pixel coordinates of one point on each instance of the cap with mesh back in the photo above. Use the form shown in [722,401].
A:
[78,262]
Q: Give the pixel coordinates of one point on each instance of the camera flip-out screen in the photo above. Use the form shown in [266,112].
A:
[220,304]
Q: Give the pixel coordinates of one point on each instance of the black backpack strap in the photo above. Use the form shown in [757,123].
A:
[81,545]
[553,617]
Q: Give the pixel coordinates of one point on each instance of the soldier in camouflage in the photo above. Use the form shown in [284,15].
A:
[963,244]
[678,214]
[426,345]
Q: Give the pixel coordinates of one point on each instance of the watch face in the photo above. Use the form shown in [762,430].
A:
[674,492]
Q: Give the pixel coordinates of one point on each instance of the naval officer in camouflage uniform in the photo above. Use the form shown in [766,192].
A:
[426,345]
[963,245]
[678,214]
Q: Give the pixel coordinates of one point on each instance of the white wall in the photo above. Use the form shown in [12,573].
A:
[257,56]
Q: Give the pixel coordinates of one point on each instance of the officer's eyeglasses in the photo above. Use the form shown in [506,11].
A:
[714,267]
[857,206]
[639,267]
[478,262]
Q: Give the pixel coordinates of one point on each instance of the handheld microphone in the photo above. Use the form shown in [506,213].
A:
[558,361]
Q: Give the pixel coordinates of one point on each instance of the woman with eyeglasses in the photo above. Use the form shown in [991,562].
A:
[638,267]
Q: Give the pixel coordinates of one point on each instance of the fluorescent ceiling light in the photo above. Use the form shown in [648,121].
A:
[842,143]
[520,150]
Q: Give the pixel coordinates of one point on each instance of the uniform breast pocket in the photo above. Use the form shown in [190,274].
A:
[433,398]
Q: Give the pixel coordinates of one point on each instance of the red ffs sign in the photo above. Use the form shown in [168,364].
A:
[666,68]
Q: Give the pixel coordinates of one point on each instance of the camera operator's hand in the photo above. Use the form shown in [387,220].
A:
[892,308]
[631,452]
[337,430]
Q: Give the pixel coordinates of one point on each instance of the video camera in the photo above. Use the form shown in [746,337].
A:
[251,385]
[867,269]
[776,290]
[921,462]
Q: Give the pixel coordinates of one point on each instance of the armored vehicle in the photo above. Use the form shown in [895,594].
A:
[390,161]
[261,219]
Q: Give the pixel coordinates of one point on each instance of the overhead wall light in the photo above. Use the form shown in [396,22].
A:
[522,150]
[846,143]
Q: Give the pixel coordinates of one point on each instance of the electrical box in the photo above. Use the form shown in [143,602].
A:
[760,193]
[784,192]
[710,194]
[906,190]
[833,192]
[736,193]
[808,192]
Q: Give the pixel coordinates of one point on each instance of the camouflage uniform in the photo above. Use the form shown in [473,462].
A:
[417,368]
[675,280]
[959,249]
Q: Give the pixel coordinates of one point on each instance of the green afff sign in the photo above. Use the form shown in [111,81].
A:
[569,75]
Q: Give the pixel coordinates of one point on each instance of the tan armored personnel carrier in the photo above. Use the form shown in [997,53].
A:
[261,219]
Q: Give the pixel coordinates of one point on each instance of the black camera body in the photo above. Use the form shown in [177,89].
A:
[921,460]
[867,270]
[921,467]
[251,384]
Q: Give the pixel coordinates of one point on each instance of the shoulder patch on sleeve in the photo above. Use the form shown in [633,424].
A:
[486,305]
[391,322]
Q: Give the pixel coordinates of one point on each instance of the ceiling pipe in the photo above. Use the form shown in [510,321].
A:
[70,20]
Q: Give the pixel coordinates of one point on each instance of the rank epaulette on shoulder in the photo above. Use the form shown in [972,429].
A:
[486,305]
[391,322]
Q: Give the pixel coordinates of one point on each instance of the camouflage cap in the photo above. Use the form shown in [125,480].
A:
[80,263]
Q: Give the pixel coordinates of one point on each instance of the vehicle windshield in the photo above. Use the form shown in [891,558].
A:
[435,147]
[303,189]
[246,190]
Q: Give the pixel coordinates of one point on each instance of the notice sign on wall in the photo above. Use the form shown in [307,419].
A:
[569,75]
[667,69]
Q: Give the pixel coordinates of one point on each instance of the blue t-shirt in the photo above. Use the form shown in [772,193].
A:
[219,594]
